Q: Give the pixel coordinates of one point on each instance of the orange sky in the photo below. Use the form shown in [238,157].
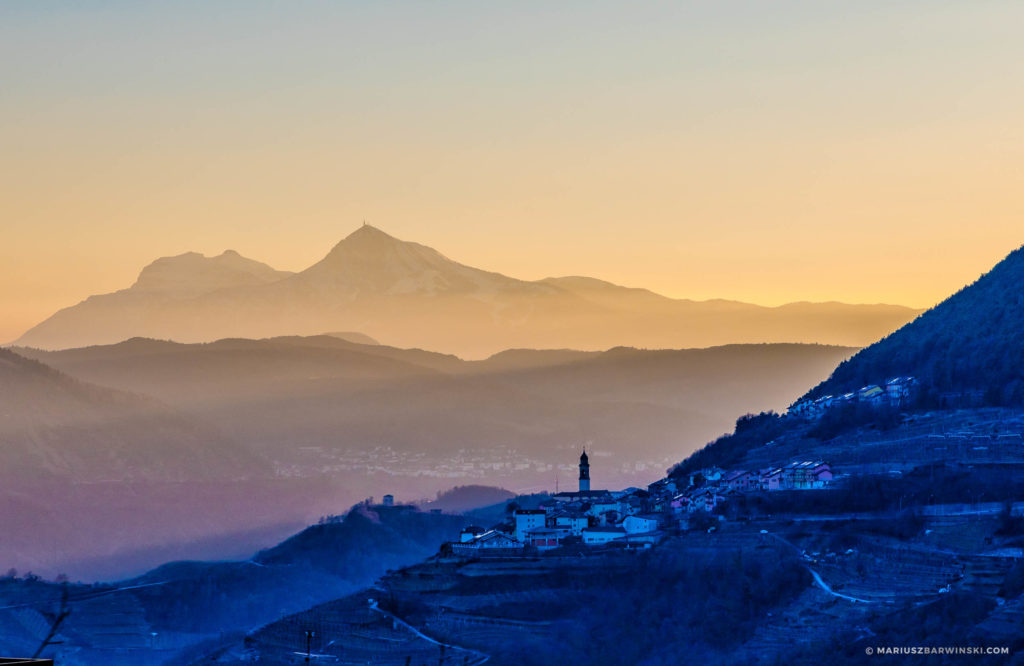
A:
[769,152]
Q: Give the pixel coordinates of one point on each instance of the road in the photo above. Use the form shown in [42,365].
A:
[817,577]
[480,655]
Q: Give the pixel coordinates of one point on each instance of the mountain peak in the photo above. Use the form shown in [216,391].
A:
[370,244]
[371,261]
[368,237]
[192,273]
[369,231]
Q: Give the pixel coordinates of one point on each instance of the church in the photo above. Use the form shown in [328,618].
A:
[584,493]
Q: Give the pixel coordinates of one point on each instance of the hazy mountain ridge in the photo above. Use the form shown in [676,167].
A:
[325,392]
[82,466]
[410,295]
[55,426]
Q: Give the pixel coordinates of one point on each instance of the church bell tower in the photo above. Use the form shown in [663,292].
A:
[584,472]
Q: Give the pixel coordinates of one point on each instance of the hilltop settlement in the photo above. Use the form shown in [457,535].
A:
[631,517]
[641,517]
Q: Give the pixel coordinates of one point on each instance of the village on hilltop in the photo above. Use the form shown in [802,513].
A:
[632,517]
[636,517]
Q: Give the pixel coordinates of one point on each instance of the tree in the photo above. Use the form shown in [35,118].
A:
[62,614]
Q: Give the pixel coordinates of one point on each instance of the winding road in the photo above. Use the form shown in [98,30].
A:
[480,655]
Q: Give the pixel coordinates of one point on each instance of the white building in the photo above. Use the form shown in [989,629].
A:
[470,533]
[526,520]
[640,524]
[575,524]
[494,542]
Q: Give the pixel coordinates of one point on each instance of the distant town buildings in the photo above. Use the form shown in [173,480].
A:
[633,517]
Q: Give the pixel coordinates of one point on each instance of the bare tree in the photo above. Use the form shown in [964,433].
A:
[58,620]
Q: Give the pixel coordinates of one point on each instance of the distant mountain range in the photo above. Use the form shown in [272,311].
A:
[55,427]
[410,295]
[80,466]
[284,396]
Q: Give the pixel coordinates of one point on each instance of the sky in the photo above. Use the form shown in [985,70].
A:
[768,152]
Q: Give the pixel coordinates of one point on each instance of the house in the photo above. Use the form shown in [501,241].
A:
[575,524]
[705,499]
[388,500]
[815,474]
[546,538]
[822,405]
[489,544]
[871,394]
[706,475]
[899,390]
[598,535]
[772,479]
[804,475]
[471,532]
[640,524]
[525,520]
[634,505]
[740,480]
[680,502]
[599,508]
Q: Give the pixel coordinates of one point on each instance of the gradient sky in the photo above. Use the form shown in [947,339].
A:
[763,151]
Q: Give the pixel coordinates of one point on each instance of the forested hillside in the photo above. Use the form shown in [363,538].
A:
[972,341]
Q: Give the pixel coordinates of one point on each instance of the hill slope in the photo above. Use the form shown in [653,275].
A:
[151,619]
[972,341]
